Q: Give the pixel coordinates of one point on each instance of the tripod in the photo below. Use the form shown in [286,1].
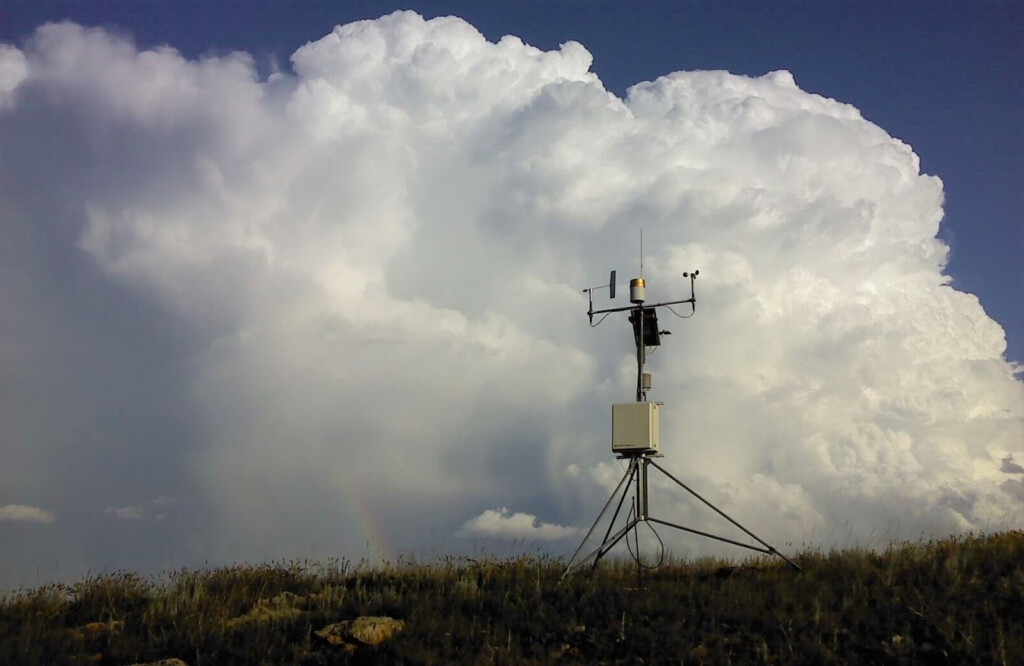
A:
[637,472]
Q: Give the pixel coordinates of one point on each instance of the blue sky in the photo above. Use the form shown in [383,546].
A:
[287,290]
[945,79]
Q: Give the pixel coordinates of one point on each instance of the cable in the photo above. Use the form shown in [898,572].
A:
[683,316]
[661,558]
[636,539]
[593,325]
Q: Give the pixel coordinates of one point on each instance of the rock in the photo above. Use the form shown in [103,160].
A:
[375,630]
[279,609]
[97,628]
[699,652]
[162,662]
[285,600]
[368,630]
[337,635]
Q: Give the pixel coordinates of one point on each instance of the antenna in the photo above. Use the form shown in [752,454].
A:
[636,433]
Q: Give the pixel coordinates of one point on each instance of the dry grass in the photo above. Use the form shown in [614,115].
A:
[954,601]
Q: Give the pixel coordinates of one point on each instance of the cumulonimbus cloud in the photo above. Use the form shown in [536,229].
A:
[361,289]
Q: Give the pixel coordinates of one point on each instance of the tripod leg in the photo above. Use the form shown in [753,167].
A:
[766,551]
[685,487]
[615,516]
[628,475]
[603,549]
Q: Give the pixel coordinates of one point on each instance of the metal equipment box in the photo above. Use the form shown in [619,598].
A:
[635,427]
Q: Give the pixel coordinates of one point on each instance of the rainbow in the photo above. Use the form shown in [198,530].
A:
[377,548]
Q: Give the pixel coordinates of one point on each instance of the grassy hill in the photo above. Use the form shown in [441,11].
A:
[954,601]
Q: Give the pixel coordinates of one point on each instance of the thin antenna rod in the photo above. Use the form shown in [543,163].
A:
[641,251]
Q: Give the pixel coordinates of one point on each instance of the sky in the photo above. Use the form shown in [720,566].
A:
[280,284]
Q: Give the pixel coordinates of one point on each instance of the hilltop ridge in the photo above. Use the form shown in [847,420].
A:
[951,601]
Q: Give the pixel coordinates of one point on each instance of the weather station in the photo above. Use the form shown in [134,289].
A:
[636,435]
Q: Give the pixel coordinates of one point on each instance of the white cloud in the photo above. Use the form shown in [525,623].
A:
[13,70]
[125,512]
[501,524]
[20,513]
[153,511]
[347,301]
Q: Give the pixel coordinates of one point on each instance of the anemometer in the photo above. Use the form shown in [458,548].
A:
[636,435]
